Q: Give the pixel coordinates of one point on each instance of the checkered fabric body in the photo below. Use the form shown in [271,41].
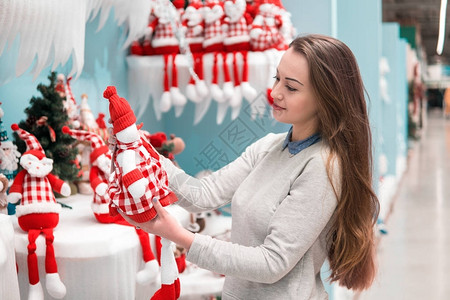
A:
[151,169]
[163,31]
[36,190]
[191,34]
[269,38]
[238,28]
[213,30]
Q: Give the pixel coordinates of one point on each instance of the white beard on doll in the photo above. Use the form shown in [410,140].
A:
[35,167]
[9,154]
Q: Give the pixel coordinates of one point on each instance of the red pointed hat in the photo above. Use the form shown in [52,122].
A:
[33,145]
[98,146]
[122,116]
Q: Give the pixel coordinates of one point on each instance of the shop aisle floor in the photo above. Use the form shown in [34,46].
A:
[414,257]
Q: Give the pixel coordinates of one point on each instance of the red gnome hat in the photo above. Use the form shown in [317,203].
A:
[33,146]
[98,146]
[122,116]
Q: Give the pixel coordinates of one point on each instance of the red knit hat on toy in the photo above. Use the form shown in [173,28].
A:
[122,116]
[33,145]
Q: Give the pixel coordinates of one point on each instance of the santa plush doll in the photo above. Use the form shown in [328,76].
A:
[265,29]
[100,160]
[164,42]
[214,37]
[265,35]
[237,39]
[38,211]
[193,24]
[138,178]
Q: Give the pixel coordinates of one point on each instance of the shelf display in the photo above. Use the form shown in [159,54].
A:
[145,77]
[92,257]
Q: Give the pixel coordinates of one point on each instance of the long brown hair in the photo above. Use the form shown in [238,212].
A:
[344,126]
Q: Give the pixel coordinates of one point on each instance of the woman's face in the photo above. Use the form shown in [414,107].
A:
[294,101]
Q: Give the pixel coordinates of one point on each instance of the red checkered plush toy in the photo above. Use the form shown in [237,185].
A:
[214,36]
[137,179]
[237,39]
[193,24]
[265,29]
[100,160]
[164,42]
[38,212]
[138,176]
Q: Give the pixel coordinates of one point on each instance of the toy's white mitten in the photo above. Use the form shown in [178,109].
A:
[101,189]
[65,190]
[14,197]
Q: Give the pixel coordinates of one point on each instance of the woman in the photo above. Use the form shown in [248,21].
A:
[296,199]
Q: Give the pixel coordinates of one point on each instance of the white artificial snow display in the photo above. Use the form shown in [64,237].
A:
[52,31]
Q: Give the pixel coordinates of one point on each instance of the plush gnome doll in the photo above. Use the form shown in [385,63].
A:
[214,37]
[138,178]
[193,24]
[38,211]
[237,39]
[100,160]
[164,42]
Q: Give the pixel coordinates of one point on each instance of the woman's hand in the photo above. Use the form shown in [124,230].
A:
[165,225]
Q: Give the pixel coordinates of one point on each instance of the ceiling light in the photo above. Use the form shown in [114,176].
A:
[441,38]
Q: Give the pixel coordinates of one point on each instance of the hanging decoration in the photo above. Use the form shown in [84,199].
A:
[227,52]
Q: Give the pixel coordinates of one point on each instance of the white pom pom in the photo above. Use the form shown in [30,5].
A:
[228,90]
[191,93]
[202,89]
[178,99]
[236,99]
[149,273]
[166,102]
[248,91]
[54,286]
[217,93]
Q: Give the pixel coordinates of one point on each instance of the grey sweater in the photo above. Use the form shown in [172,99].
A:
[281,211]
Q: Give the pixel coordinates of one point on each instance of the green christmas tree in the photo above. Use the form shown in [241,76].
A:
[45,118]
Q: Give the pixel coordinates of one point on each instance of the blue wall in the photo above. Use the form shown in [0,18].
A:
[394,130]
[359,26]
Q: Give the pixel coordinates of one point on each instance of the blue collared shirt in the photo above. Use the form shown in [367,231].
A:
[297,146]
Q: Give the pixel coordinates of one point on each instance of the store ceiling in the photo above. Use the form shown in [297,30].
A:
[424,14]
